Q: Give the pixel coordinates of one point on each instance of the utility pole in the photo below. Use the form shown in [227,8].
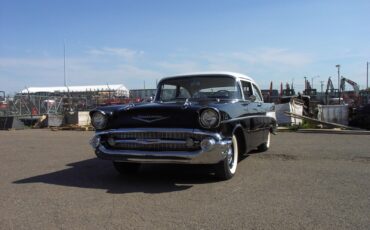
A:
[338,66]
[65,80]
[367,82]
[312,80]
[367,75]
[145,90]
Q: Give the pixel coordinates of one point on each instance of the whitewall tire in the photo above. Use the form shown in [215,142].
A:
[266,145]
[226,169]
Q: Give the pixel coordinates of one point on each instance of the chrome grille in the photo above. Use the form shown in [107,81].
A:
[154,141]
[160,135]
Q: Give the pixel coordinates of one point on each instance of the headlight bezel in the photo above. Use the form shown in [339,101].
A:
[102,123]
[206,112]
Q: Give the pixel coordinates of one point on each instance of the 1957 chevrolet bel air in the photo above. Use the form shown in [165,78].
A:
[201,118]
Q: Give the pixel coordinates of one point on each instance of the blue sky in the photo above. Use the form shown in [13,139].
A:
[129,42]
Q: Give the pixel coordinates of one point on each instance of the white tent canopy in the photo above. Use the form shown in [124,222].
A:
[120,90]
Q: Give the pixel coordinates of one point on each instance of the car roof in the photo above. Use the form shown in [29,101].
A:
[232,74]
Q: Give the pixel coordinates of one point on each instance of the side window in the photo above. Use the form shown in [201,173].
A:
[257,93]
[247,89]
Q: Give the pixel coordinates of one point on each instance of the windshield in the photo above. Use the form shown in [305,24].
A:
[198,88]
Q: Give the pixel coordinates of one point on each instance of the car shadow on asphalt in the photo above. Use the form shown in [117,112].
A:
[152,178]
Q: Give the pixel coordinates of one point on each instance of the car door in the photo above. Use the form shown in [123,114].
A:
[260,122]
[253,113]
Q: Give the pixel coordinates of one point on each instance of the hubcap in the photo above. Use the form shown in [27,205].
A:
[230,157]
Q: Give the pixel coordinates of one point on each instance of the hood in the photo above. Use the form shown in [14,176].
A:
[161,115]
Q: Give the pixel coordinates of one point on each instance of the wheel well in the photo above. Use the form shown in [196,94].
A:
[242,147]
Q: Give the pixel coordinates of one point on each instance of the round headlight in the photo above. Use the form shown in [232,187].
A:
[209,118]
[99,120]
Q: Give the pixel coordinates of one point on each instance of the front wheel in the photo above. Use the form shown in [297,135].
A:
[226,169]
[126,168]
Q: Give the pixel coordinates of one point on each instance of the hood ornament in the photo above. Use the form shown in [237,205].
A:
[149,118]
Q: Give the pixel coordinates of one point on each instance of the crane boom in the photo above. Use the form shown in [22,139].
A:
[329,86]
[355,86]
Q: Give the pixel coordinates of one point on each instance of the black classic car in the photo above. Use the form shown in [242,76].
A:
[203,118]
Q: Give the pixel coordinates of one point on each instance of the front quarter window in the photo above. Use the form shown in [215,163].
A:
[247,89]
[257,93]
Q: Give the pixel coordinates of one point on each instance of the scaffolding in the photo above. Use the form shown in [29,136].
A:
[35,104]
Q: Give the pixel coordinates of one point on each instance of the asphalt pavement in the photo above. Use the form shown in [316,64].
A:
[52,180]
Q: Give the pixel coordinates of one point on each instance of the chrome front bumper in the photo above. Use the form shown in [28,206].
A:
[214,152]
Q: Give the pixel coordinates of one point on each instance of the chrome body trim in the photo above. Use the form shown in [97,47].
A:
[243,118]
[213,155]
[155,130]
[146,119]
[149,141]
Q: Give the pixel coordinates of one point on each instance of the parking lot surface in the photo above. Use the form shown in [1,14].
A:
[52,180]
